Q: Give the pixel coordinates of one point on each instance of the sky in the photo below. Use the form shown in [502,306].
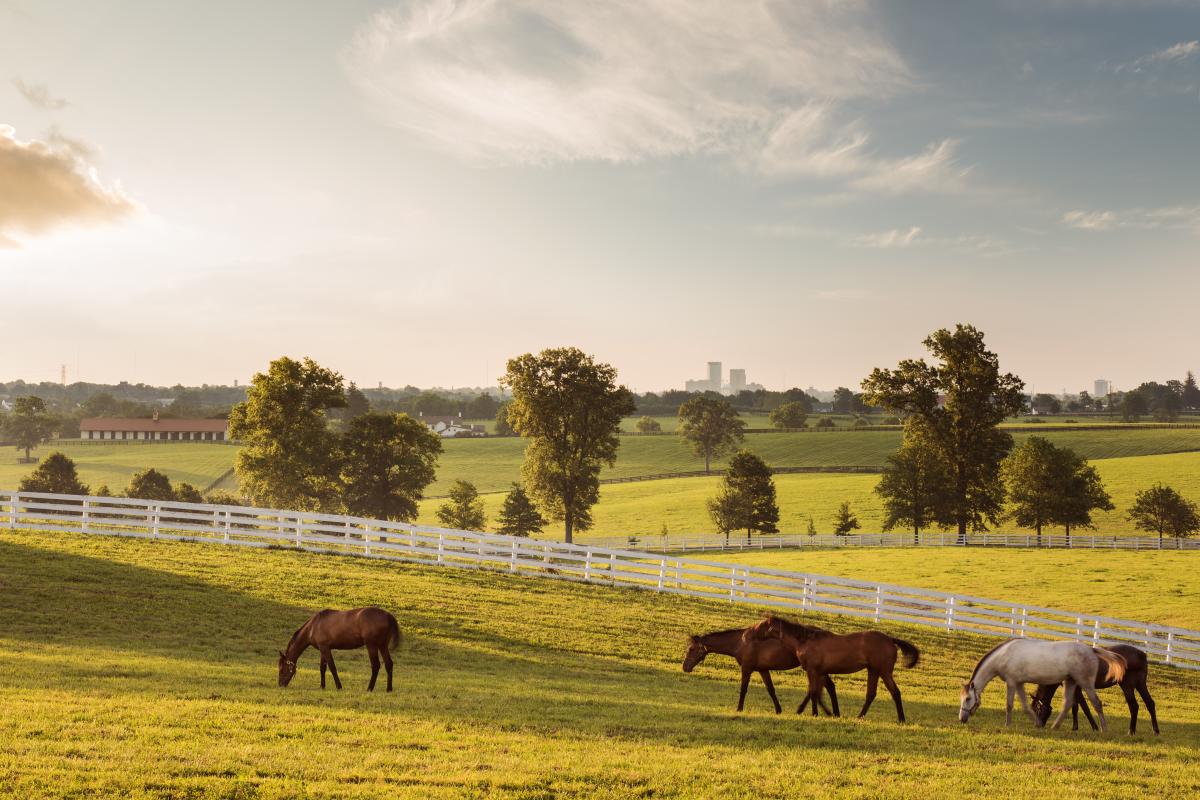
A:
[412,193]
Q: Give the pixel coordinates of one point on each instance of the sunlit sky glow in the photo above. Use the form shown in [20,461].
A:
[412,193]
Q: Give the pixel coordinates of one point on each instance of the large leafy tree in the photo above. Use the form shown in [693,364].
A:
[1163,510]
[915,485]
[387,460]
[518,515]
[464,510]
[55,474]
[290,457]
[569,406]
[30,423]
[1049,485]
[789,415]
[150,484]
[748,496]
[711,425]
[958,401]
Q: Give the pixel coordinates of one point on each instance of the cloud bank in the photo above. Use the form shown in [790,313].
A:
[46,186]
[761,82]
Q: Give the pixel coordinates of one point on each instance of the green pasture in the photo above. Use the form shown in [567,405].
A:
[1147,586]
[197,463]
[147,670]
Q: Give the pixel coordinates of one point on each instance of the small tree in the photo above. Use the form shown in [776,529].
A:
[915,486]
[1133,406]
[502,426]
[730,511]
[56,474]
[826,422]
[711,426]
[150,484]
[789,415]
[518,515]
[1191,394]
[748,479]
[357,403]
[29,424]
[812,526]
[1160,509]
[845,521]
[648,425]
[387,461]
[186,493]
[1085,494]
[464,511]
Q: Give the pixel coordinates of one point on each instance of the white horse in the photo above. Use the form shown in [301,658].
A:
[1021,661]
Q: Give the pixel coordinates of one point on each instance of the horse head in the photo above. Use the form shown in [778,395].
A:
[695,653]
[287,669]
[970,700]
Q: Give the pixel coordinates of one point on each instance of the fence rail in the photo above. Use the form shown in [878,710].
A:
[260,527]
[735,542]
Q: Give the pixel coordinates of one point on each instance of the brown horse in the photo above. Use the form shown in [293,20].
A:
[753,655]
[1136,668]
[827,653]
[343,630]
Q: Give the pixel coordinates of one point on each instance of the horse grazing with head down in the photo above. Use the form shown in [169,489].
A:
[1021,661]
[343,630]
[822,653]
[1137,666]
[753,655]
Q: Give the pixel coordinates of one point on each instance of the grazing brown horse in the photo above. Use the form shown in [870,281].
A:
[753,655]
[826,653]
[343,630]
[1136,668]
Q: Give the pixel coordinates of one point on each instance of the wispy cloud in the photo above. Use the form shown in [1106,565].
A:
[1186,218]
[39,96]
[1176,52]
[888,239]
[541,82]
[48,186]
[1089,220]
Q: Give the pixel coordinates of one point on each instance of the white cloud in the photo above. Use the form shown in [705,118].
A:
[1176,52]
[539,82]
[39,96]
[889,239]
[1186,218]
[47,186]
[936,169]
[1089,220]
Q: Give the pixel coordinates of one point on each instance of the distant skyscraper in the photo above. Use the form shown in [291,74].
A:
[1101,388]
[714,375]
[737,380]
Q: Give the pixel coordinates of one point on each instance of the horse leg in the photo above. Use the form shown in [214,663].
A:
[1090,689]
[1080,702]
[745,684]
[829,687]
[1130,701]
[872,687]
[322,672]
[1149,701]
[1008,703]
[328,656]
[894,691]
[387,664]
[1024,698]
[815,683]
[766,676]
[373,654]
[1069,689]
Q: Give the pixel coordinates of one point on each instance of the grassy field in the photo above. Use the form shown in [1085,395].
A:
[197,463]
[1144,586]
[642,508]
[146,670]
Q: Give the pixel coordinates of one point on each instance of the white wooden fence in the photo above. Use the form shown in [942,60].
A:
[792,591]
[698,542]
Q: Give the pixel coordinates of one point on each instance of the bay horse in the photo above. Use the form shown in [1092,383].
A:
[823,653]
[753,655]
[1137,665]
[1021,661]
[343,630]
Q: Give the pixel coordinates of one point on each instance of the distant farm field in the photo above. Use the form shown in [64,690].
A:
[147,670]
[197,463]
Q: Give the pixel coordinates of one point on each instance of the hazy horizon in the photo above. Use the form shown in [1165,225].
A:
[414,192]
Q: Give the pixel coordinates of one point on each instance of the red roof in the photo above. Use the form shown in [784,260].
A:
[166,425]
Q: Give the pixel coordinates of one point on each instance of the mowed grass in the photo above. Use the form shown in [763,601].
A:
[147,670]
[643,508]
[1147,586]
[197,463]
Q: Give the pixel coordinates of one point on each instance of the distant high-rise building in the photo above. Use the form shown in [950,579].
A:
[1101,388]
[737,380]
[714,375]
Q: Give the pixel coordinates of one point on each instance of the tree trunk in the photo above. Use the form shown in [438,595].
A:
[747,536]
[962,530]
[1039,534]
[707,460]
[1068,528]
[916,534]
[568,527]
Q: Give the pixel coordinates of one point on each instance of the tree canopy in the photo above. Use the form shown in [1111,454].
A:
[915,486]
[711,426]
[789,415]
[150,484]
[1163,510]
[747,496]
[518,515]
[845,521]
[569,407]
[55,474]
[387,460]
[30,423]
[958,401]
[1049,485]
[648,425]
[464,510]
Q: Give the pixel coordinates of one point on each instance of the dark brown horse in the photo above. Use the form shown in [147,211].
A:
[753,655]
[343,630]
[825,653]
[1137,666]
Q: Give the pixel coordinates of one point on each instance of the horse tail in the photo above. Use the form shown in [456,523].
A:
[394,635]
[1112,665]
[911,654]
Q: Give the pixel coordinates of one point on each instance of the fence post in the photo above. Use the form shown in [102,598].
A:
[1012,622]
[227,515]
[878,601]
[85,517]
[299,533]
[366,538]
[732,583]
[612,569]
[950,613]
[512,562]
[154,524]
[1095,632]
[662,573]
[1024,620]
[587,565]
[441,547]
[1170,641]
[13,500]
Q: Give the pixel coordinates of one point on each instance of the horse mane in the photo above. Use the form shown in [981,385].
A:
[798,629]
[729,632]
[988,655]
